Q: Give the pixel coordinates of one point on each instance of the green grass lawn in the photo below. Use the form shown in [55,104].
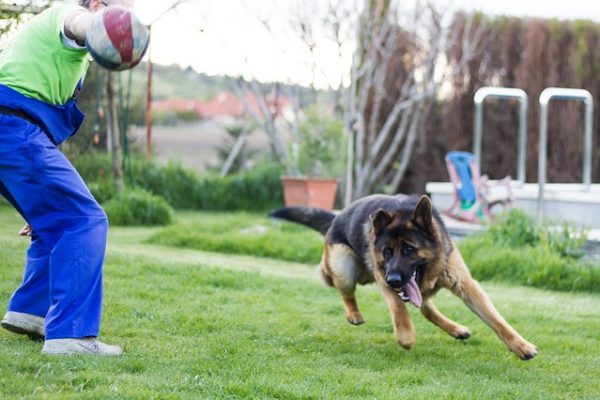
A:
[197,324]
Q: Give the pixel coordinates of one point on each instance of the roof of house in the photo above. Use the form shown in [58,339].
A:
[224,104]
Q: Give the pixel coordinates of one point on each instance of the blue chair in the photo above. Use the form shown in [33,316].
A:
[474,195]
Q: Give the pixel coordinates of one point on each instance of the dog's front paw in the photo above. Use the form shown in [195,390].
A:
[355,318]
[461,332]
[524,349]
[406,340]
[406,344]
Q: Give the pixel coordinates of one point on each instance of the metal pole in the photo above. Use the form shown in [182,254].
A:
[113,120]
[501,93]
[563,94]
[587,155]
[523,106]
[478,129]
[542,155]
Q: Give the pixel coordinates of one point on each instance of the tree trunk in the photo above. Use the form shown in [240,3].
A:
[113,124]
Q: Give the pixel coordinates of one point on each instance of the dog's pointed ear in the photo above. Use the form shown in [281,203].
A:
[380,219]
[423,213]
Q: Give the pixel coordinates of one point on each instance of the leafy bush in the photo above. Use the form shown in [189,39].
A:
[256,190]
[173,182]
[529,265]
[515,228]
[515,249]
[103,190]
[138,207]
[566,240]
[93,166]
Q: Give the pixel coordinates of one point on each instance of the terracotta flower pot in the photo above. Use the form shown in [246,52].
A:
[309,191]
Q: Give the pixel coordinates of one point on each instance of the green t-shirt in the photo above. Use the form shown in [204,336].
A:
[38,64]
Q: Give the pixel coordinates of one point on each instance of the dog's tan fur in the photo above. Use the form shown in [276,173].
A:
[342,268]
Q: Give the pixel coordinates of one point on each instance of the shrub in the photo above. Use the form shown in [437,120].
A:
[256,190]
[93,166]
[138,207]
[515,249]
[174,183]
[566,240]
[515,228]
[103,189]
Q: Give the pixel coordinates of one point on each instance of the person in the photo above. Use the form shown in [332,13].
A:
[41,71]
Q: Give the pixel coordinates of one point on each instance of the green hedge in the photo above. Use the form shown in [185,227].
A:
[103,190]
[92,166]
[256,190]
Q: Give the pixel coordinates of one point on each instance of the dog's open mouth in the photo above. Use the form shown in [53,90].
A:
[410,290]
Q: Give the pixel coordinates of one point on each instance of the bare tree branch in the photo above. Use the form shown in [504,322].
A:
[400,76]
[264,116]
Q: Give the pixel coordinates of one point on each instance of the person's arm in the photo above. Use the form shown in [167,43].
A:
[25,231]
[76,24]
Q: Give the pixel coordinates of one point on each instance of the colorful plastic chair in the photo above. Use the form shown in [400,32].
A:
[474,195]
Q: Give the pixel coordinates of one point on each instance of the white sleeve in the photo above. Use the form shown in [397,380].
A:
[67,41]
[78,20]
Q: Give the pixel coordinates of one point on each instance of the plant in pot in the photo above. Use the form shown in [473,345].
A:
[317,154]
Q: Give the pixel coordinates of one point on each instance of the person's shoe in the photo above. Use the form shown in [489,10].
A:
[24,324]
[80,346]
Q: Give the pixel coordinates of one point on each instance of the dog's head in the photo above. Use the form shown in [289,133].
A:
[404,242]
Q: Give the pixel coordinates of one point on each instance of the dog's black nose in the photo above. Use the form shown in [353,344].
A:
[394,280]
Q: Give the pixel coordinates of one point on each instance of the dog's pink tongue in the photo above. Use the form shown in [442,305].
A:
[413,292]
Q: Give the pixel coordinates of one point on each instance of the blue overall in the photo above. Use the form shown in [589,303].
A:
[63,269]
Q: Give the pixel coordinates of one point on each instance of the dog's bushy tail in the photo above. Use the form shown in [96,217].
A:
[316,218]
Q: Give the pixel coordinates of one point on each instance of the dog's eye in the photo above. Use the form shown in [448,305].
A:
[388,253]
[407,250]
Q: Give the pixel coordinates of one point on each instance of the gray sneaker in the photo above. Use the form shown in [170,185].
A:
[80,346]
[24,324]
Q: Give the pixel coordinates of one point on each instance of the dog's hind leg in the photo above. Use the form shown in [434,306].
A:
[340,268]
[430,311]
[353,315]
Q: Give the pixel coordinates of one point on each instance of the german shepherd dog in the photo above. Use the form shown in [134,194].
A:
[401,243]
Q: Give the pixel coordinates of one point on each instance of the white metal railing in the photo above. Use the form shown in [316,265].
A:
[509,94]
[563,94]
